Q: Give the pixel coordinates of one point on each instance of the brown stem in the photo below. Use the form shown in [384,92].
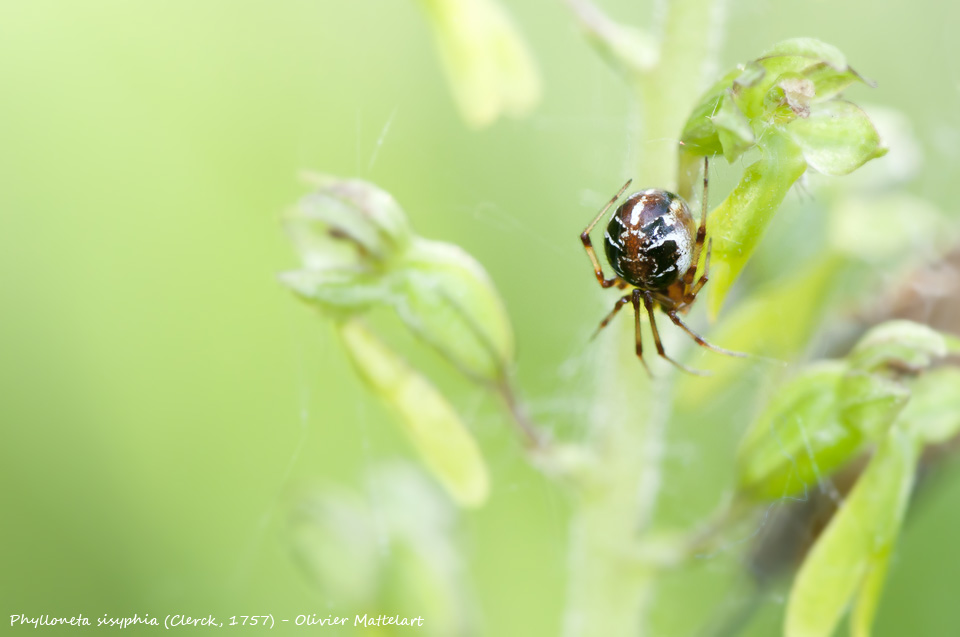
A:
[533,436]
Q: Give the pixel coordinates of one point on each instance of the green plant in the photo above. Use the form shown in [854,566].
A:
[884,400]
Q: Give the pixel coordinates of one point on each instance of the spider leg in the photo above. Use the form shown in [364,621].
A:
[702,230]
[588,245]
[699,339]
[689,297]
[623,300]
[636,316]
[648,303]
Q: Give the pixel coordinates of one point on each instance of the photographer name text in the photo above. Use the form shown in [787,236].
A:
[210,621]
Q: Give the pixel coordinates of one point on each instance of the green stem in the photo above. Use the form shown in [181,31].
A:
[610,587]
[666,93]
[756,198]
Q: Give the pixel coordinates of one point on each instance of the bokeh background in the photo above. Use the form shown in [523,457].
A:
[164,399]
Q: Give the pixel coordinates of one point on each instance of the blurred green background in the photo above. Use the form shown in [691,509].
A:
[164,399]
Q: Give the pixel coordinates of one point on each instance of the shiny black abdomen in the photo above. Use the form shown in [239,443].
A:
[649,240]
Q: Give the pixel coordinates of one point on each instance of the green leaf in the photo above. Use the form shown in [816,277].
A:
[776,321]
[627,49]
[733,128]
[870,403]
[760,98]
[488,66]
[836,137]
[813,425]
[749,76]
[413,581]
[441,439]
[900,166]
[358,251]
[868,598]
[424,567]
[700,135]
[852,553]
[392,549]
[332,537]
[794,75]
[829,81]
[350,209]
[898,345]
[450,302]
[737,224]
[339,291]
[784,103]
[799,438]
[933,413]
[809,48]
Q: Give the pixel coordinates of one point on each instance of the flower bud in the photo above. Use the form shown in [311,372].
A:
[358,251]
[785,104]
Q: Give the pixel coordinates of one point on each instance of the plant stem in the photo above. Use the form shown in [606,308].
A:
[609,589]
[532,436]
[667,92]
[609,586]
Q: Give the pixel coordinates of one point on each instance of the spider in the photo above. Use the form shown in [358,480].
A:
[653,245]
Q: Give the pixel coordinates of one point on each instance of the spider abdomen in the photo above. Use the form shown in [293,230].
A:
[649,240]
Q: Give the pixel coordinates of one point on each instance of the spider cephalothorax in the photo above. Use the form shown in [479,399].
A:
[654,246]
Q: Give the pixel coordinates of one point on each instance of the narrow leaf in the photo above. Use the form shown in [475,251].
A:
[450,302]
[870,402]
[444,443]
[799,439]
[733,128]
[332,536]
[851,554]
[810,48]
[933,412]
[899,345]
[357,251]
[339,290]
[699,135]
[627,49]
[836,138]
[829,81]
[775,321]
[488,66]
[868,599]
